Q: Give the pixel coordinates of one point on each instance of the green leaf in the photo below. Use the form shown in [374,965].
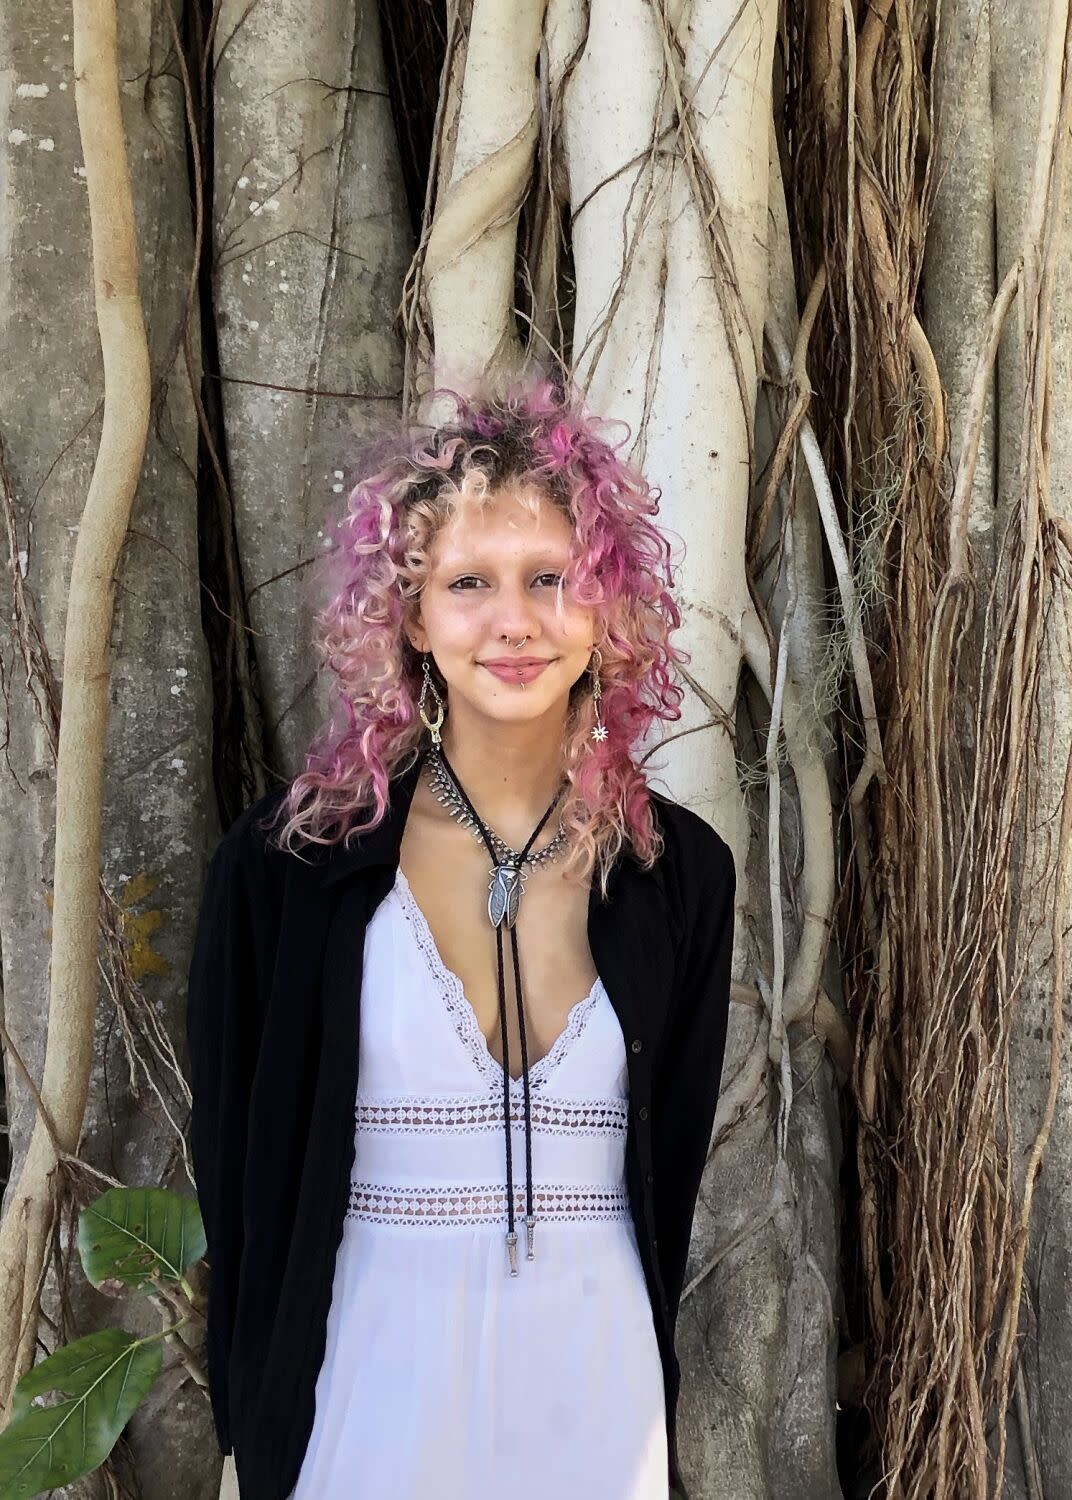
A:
[136,1235]
[104,1377]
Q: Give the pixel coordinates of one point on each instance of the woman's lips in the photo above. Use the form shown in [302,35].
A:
[513,672]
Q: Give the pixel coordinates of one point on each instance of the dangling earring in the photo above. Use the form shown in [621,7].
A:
[429,686]
[599,731]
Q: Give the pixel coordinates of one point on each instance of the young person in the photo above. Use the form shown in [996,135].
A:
[458,1001]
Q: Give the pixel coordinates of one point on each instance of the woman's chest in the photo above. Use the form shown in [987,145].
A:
[557,968]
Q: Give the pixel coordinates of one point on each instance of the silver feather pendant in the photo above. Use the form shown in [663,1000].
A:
[504,895]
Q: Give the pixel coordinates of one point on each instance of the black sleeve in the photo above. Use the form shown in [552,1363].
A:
[223,1025]
[692,1051]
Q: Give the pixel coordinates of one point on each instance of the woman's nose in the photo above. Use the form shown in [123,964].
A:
[516,616]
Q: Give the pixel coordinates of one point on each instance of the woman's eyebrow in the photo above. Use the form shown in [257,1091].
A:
[476,556]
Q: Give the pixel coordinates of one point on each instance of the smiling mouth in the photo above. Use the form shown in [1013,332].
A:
[515,671]
[518,661]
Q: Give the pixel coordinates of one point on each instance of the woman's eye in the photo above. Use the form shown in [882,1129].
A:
[460,583]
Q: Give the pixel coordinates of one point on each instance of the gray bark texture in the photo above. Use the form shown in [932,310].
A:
[310,251]
[157,819]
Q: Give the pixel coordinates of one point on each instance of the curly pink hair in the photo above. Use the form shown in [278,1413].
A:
[537,436]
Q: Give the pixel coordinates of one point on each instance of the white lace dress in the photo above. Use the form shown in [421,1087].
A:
[443,1376]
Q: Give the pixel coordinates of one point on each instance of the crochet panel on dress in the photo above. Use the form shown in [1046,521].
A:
[481,1203]
[469,1115]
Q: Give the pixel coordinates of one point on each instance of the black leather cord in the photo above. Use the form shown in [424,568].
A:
[530,1217]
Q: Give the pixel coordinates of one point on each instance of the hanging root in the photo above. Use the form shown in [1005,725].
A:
[938,916]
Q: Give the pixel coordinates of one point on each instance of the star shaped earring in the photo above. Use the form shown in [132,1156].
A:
[599,732]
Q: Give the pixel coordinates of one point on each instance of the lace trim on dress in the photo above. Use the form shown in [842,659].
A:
[481,1204]
[421,1113]
[464,1016]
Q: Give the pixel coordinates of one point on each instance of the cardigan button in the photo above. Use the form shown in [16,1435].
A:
[637,1044]
[649,1177]
[643,1111]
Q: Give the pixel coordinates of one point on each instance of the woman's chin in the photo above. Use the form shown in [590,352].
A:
[516,705]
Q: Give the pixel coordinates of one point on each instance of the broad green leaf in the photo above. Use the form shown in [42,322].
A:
[129,1234]
[104,1377]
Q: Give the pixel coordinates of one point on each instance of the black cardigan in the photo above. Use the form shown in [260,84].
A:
[272,1031]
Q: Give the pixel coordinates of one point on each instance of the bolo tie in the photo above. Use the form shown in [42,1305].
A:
[505,889]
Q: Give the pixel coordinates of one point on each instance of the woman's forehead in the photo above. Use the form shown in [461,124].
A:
[526,520]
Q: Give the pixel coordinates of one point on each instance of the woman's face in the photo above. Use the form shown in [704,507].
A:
[493,572]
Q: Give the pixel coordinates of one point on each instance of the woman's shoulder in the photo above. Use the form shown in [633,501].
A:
[245,844]
[246,827]
[696,845]
[699,873]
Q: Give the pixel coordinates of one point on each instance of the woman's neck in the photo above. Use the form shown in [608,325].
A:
[510,778]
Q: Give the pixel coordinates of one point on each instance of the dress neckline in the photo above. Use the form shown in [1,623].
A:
[460,1008]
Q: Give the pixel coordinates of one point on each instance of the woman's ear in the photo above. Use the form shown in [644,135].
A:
[414,631]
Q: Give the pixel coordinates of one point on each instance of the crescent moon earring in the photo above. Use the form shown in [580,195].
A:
[428,686]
